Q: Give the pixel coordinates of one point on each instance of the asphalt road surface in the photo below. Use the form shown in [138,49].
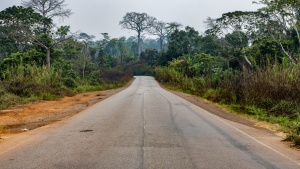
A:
[145,126]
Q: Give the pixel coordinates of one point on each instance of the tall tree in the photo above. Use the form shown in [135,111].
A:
[161,30]
[138,22]
[86,39]
[49,8]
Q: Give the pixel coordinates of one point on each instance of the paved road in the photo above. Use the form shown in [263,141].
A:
[144,126]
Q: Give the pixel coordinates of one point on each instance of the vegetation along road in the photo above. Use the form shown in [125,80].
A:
[61,62]
[145,126]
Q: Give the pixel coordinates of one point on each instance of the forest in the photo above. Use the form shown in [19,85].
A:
[245,61]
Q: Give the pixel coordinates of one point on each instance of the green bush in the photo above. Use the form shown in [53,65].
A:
[48,96]
[284,108]
[212,94]
[70,82]
[8,99]
[115,75]
[94,78]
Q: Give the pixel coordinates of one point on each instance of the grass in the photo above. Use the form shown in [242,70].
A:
[26,83]
[87,88]
[8,100]
[280,123]
[90,88]
[268,94]
[49,96]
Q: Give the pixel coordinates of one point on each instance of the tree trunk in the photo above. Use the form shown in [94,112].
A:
[161,41]
[139,44]
[48,59]
[83,70]
[83,66]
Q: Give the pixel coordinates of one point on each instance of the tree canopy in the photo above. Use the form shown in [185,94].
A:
[49,8]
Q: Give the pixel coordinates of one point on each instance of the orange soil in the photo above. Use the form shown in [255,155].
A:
[29,116]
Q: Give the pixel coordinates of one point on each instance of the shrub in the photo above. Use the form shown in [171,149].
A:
[270,93]
[284,108]
[70,82]
[212,94]
[116,75]
[94,78]
[48,96]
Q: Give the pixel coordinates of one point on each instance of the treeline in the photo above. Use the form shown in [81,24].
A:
[39,60]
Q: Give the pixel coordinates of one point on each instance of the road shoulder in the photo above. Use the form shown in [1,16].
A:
[22,118]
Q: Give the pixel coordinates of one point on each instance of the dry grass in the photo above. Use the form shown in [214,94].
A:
[268,94]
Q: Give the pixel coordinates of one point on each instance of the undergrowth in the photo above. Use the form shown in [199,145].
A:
[26,83]
[268,94]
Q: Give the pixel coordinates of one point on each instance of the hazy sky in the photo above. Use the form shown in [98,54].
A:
[98,16]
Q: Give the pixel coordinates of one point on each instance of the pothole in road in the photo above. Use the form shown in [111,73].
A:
[85,131]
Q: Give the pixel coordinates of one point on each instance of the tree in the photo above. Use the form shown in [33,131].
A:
[237,39]
[104,41]
[19,28]
[184,42]
[283,23]
[86,39]
[48,8]
[161,30]
[244,26]
[265,51]
[25,26]
[132,42]
[16,23]
[209,44]
[236,44]
[172,26]
[101,45]
[123,49]
[60,36]
[112,48]
[150,56]
[249,23]
[150,43]
[138,22]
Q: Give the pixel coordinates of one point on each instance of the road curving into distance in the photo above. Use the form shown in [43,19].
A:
[145,126]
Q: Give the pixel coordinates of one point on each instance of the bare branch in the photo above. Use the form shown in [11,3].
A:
[49,8]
